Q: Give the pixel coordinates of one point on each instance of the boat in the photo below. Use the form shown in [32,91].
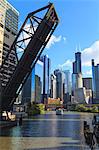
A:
[59,111]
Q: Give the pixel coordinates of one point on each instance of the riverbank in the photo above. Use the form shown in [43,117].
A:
[6,124]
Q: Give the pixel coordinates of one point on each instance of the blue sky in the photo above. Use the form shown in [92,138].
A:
[78,30]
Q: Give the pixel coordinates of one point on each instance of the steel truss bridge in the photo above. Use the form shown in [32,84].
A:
[31,41]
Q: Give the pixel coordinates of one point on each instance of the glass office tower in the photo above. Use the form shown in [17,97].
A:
[67,81]
[77,74]
[30,92]
[46,76]
[95,81]
[60,83]
[77,63]
[41,81]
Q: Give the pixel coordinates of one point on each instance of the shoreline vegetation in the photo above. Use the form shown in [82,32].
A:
[35,109]
[85,108]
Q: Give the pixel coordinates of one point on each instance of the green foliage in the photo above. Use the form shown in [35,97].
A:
[83,108]
[73,107]
[79,108]
[35,109]
[95,109]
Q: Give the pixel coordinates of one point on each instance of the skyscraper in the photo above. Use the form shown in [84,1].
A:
[67,81]
[78,92]
[33,86]
[87,83]
[37,89]
[60,83]
[77,74]
[53,86]
[28,91]
[8,31]
[77,81]
[77,63]
[46,76]
[95,82]
[42,70]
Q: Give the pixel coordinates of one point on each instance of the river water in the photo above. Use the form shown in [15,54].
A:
[47,132]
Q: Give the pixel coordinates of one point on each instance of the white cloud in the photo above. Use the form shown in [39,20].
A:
[90,53]
[64,38]
[40,63]
[87,73]
[68,63]
[87,54]
[24,35]
[54,39]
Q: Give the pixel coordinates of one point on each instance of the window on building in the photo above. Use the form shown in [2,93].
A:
[6,45]
[7,29]
[1,25]
[6,35]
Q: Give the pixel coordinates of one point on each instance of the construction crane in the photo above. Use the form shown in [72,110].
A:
[31,40]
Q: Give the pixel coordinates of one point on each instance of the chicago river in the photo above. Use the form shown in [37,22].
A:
[47,132]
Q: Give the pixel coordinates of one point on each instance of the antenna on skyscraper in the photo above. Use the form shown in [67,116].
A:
[79,48]
[76,48]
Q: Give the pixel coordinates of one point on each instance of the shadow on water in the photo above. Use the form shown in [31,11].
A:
[38,126]
[44,128]
[56,148]
[66,147]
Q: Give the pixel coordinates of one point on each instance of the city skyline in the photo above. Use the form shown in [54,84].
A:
[77,31]
[42,108]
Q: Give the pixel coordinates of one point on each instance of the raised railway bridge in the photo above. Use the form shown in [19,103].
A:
[37,28]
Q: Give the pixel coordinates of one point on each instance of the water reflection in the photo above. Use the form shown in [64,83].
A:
[47,131]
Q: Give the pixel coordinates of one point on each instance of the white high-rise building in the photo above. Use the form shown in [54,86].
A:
[67,81]
[53,86]
[8,31]
[77,81]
